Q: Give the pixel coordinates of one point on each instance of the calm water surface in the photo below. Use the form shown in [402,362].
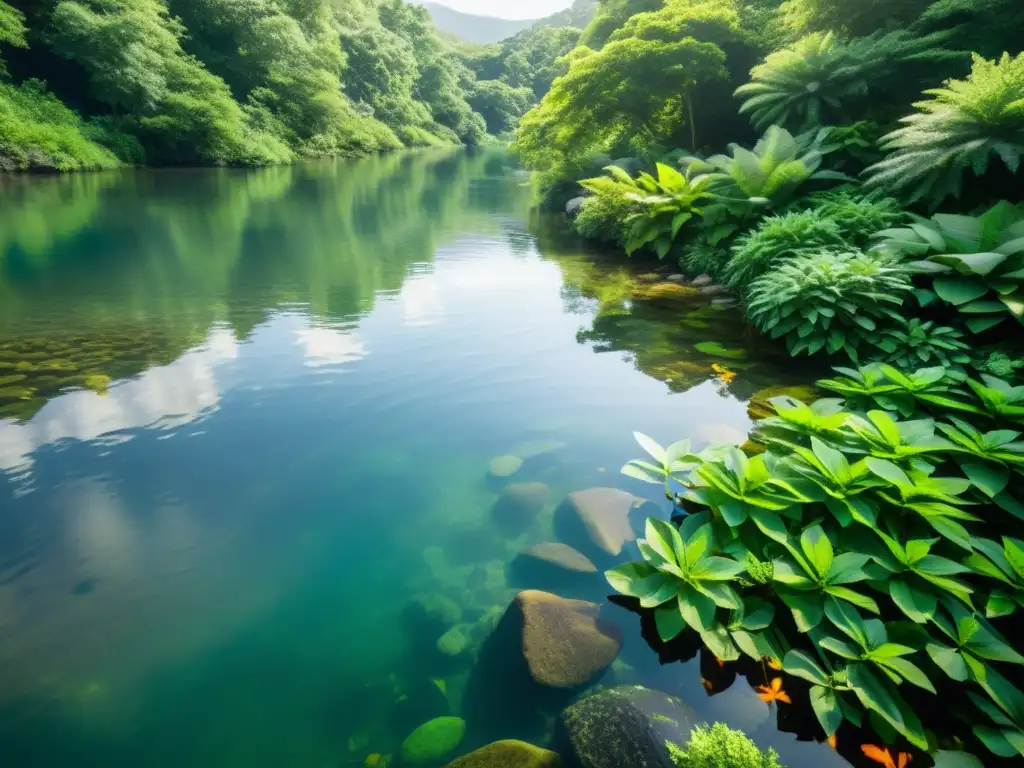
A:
[247,416]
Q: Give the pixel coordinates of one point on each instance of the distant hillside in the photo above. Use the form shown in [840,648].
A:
[488,29]
[473,28]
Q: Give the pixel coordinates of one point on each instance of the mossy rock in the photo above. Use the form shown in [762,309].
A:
[17,393]
[434,740]
[759,406]
[508,753]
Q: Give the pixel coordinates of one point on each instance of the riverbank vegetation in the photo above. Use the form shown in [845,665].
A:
[88,84]
[860,196]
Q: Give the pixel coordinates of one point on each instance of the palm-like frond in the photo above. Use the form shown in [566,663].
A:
[964,126]
[822,78]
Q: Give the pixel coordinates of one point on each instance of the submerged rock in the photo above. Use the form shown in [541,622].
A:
[562,555]
[625,726]
[714,290]
[596,521]
[433,740]
[664,291]
[453,642]
[431,615]
[518,506]
[509,753]
[564,642]
[504,466]
[702,280]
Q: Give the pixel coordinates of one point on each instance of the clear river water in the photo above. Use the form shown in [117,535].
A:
[247,420]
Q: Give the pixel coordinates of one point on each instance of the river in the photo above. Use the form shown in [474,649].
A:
[247,419]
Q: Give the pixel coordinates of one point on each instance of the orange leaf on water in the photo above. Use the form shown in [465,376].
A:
[773,692]
[884,756]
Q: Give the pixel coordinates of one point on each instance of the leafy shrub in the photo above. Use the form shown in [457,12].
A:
[664,204]
[777,238]
[860,18]
[962,127]
[853,147]
[823,79]
[858,216]
[749,181]
[832,300]
[916,342]
[1001,365]
[38,131]
[702,258]
[721,747]
[604,218]
[977,262]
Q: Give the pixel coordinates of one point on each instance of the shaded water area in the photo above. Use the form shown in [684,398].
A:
[247,421]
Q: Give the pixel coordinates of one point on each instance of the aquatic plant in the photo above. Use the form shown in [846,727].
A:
[719,746]
[853,550]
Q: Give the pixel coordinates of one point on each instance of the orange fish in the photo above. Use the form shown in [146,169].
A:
[773,692]
[833,741]
[884,756]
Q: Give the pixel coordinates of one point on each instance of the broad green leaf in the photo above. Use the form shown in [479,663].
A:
[719,643]
[861,601]
[949,759]
[716,569]
[958,291]
[910,672]
[669,621]
[999,604]
[633,579]
[662,537]
[800,664]
[697,609]
[817,548]
[949,660]
[887,471]
[807,608]
[880,696]
[652,448]
[848,568]
[918,604]
[826,708]
[645,471]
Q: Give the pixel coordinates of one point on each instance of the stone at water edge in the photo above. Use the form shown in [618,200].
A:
[564,642]
[714,290]
[702,280]
[509,753]
[625,726]
[563,556]
[677,278]
[434,740]
[572,208]
[518,506]
[504,466]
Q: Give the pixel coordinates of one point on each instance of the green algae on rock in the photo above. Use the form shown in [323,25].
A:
[508,753]
[433,740]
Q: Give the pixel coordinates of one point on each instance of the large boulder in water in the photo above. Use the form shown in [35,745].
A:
[564,642]
[596,522]
[542,651]
[518,506]
[625,726]
[508,753]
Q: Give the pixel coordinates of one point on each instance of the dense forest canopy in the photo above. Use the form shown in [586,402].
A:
[98,83]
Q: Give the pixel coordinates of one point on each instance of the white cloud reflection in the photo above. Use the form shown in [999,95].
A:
[328,346]
[165,396]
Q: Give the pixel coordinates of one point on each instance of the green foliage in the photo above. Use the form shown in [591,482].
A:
[499,104]
[599,106]
[38,132]
[701,258]
[1001,365]
[721,747]
[915,342]
[833,300]
[860,18]
[976,263]
[858,216]
[12,29]
[822,79]
[776,239]
[850,512]
[964,126]
[750,181]
[664,204]
[604,218]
